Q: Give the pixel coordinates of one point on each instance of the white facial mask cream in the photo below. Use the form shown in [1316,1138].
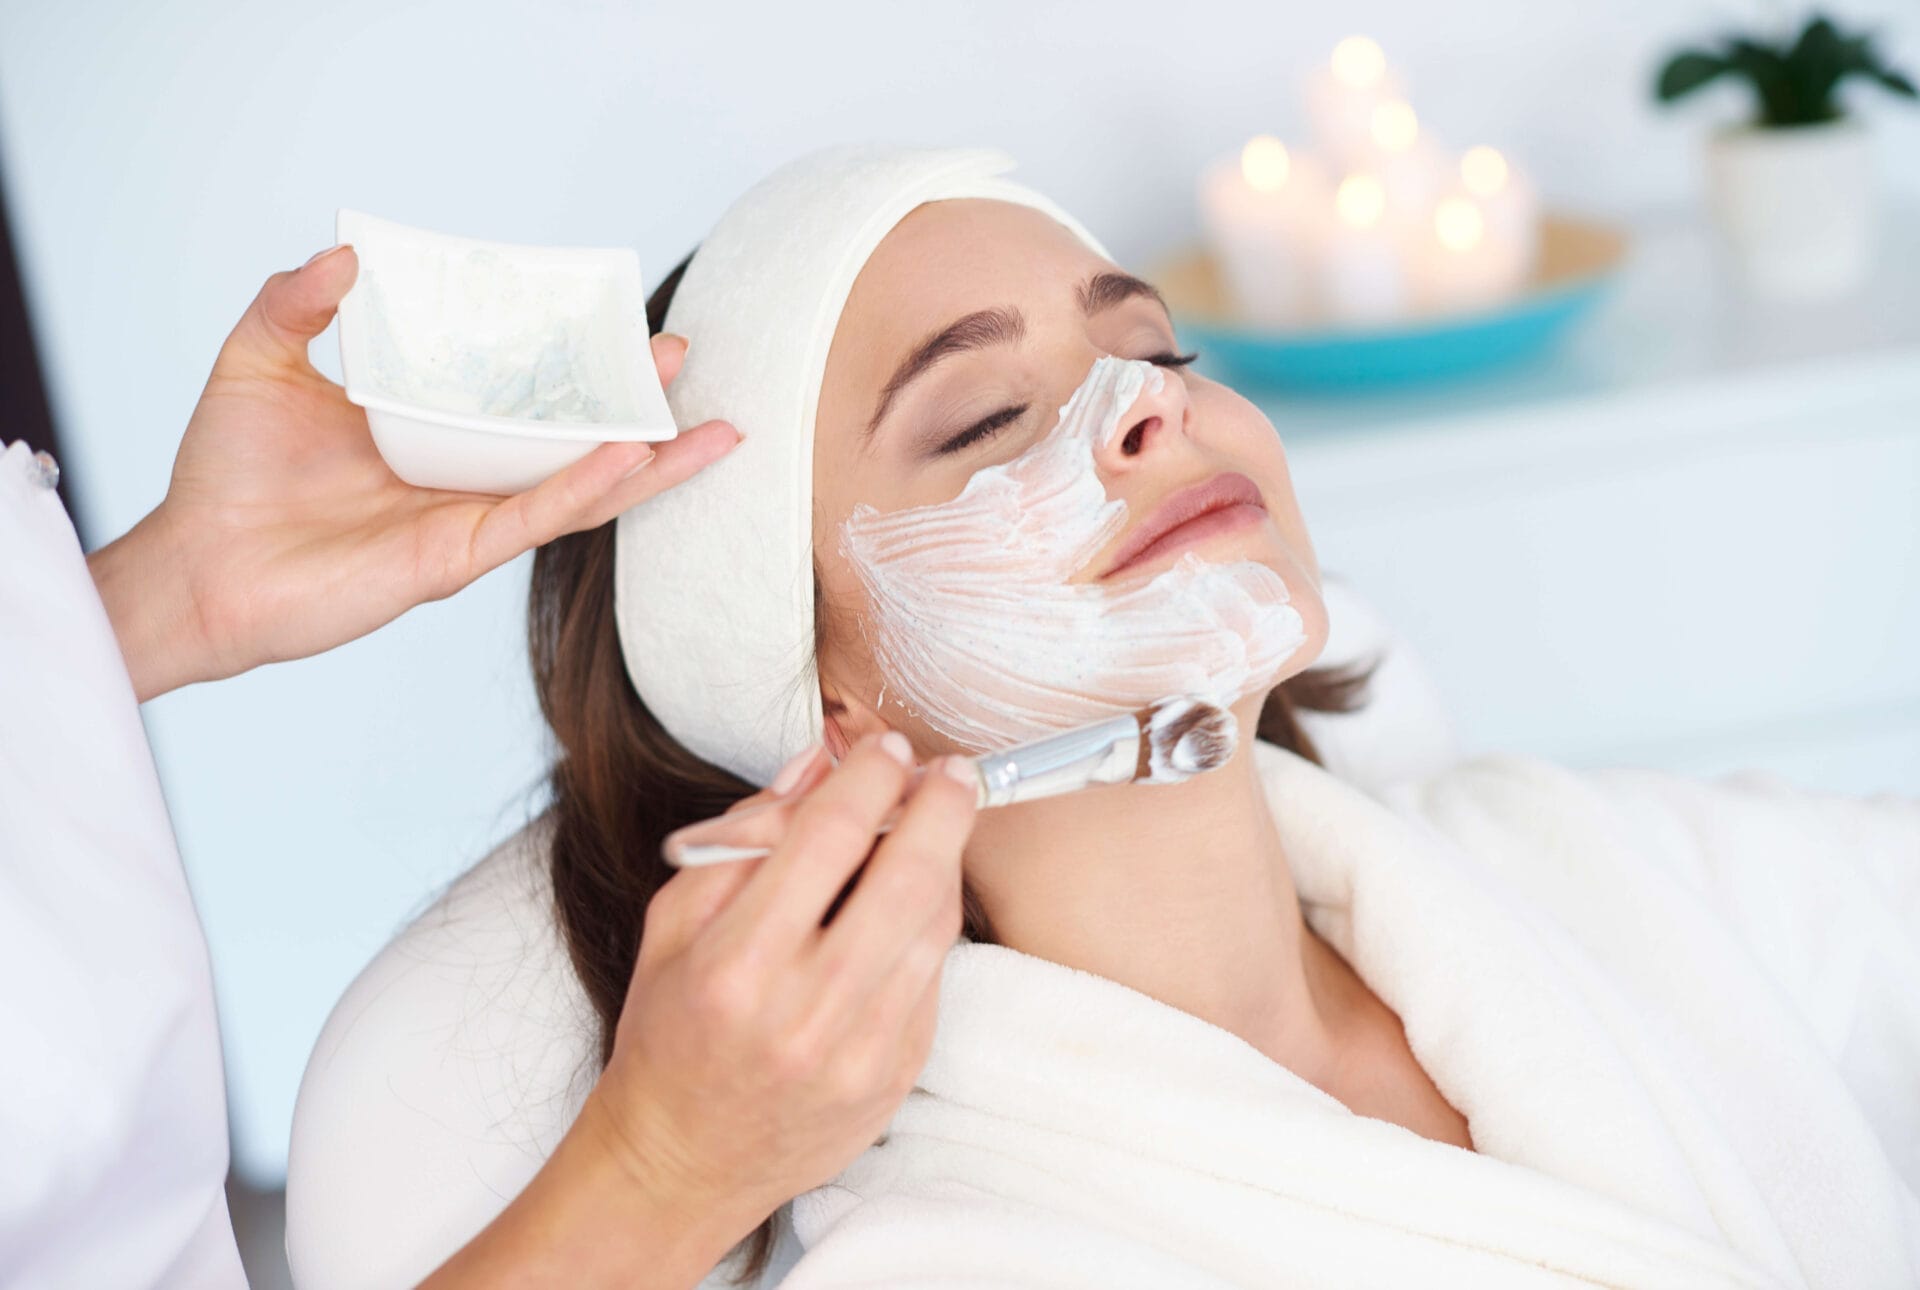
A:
[977,628]
[526,345]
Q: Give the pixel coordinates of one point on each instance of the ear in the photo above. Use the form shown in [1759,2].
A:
[849,718]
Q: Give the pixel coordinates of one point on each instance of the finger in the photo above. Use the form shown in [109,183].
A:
[696,900]
[913,878]
[755,823]
[896,1035]
[907,1003]
[679,459]
[890,1051]
[669,352]
[687,903]
[802,772]
[290,310]
[832,832]
[593,490]
[736,835]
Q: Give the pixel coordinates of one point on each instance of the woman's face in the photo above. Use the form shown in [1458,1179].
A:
[968,328]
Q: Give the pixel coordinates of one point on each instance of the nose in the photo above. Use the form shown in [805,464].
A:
[1157,419]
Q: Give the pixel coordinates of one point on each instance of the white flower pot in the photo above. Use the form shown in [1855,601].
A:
[1796,205]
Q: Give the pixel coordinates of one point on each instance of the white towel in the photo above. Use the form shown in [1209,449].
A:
[1682,1018]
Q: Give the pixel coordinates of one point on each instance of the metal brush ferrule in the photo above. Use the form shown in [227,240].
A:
[1107,753]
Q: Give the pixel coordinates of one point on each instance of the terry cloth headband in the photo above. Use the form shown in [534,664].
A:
[713,580]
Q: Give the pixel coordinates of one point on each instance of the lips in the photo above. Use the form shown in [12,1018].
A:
[1193,514]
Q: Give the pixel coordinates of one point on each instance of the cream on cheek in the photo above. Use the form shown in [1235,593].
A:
[979,632]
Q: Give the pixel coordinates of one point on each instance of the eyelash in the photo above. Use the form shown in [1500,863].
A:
[987,426]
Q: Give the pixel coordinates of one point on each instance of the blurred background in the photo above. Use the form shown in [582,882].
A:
[1685,536]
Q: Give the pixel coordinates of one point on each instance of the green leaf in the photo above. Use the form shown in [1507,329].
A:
[1870,66]
[1856,54]
[1687,72]
[1896,82]
[1785,99]
[1819,43]
[1815,66]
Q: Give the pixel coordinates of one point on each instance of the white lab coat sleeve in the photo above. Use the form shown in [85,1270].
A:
[113,1132]
[1824,890]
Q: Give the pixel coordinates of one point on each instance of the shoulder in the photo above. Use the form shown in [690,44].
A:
[442,1080]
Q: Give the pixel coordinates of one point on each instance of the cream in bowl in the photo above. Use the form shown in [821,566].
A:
[487,367]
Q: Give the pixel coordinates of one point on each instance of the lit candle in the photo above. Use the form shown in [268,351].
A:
[1459,265]
[1511,206]
[1342,97]
[1412,166]
[1262,212]
[1364,270]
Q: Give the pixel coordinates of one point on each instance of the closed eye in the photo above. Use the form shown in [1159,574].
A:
[983,428]
[988,426]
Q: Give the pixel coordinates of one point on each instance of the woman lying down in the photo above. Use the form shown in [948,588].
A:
[1510,1025]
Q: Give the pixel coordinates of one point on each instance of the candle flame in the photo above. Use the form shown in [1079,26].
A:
[1361,200]
[1395,126]
[1264,163]
[1358,62]
[1484,171]
[1459,225]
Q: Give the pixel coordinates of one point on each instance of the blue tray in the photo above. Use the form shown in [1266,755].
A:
[1578,263]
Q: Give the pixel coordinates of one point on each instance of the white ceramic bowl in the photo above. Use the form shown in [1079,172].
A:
[441,335]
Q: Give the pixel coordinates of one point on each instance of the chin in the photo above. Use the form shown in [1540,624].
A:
[1264,546]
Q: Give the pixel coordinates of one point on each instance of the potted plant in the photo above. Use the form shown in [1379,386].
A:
[1793,191]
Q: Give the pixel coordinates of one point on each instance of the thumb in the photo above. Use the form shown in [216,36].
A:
[291,309]
[687,902]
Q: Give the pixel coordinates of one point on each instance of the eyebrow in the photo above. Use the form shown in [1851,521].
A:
[1000,326]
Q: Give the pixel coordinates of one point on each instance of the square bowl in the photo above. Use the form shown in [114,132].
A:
[487,367]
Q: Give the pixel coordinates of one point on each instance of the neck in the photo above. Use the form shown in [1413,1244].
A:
[1181,892]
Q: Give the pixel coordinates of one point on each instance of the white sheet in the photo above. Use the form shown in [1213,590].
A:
[1680,1017]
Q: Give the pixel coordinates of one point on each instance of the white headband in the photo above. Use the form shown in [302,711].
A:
[713,580]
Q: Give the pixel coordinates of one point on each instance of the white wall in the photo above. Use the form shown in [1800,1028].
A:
[163,158]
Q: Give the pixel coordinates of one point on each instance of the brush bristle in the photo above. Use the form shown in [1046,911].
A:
[1186,737]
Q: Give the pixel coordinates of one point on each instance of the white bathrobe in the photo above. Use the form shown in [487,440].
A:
[1682,1019]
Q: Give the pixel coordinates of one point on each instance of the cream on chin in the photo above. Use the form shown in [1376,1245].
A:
[980,633]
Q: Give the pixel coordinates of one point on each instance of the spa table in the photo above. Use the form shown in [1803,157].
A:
[1688,539]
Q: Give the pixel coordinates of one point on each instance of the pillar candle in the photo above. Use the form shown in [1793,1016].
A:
[1342,96]
[1363,275]
[1511,205]
[1263,213]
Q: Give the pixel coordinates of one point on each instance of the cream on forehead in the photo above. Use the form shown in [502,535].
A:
[977,629]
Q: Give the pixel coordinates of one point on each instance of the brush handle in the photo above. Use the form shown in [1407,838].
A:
[693,855]
[1106,752]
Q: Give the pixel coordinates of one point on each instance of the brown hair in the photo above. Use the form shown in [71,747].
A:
[621,783]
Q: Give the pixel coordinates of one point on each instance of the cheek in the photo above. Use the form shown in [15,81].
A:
[840,609]
[1239,429]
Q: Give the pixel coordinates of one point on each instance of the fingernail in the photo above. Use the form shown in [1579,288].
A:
[789,774]
[960,770]
[321,255]
[638,466]
[685,344]
[895,745]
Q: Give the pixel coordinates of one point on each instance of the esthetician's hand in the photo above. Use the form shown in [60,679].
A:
[284,534]
[758,1052]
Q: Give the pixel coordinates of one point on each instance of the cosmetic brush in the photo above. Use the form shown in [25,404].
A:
[1175,739]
